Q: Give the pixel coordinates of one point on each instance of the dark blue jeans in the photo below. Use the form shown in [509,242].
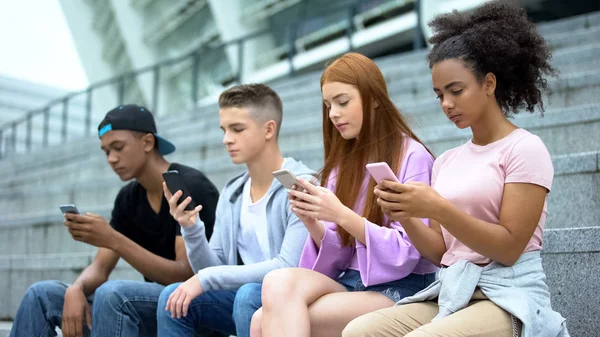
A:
[119,308]
[226,311]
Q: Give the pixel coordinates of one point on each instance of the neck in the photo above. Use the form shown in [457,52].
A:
[492,126]
[151,176]
[261,168]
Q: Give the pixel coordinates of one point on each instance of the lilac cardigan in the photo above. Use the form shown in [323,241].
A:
[389,254]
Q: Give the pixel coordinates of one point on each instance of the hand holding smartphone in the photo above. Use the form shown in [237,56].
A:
[381,171]
[174,184]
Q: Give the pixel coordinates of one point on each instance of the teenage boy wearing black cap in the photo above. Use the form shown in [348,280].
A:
[141,231]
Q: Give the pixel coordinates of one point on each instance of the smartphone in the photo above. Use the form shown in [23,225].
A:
[174,184]
[381,171]
[69,209]
[286,178]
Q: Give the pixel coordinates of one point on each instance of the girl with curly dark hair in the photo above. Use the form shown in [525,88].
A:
[487,200]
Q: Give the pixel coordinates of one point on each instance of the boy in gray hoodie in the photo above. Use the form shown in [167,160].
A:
[255,231]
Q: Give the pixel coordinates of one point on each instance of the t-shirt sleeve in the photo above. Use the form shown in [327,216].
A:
[417,166]
[204,193]
[530,162]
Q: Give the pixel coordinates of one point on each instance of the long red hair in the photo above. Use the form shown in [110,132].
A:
[381,137]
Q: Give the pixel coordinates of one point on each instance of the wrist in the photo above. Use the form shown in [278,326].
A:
[190,224]
[115,241]
[442,207]
[347,216]
[75,287]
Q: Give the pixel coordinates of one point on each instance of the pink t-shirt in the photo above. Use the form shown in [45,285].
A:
[472,177]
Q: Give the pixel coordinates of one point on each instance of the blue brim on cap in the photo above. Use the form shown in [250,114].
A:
[165,147]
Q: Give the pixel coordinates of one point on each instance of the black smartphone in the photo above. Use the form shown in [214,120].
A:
[174,184]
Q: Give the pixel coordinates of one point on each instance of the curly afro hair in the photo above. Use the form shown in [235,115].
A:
[497,38]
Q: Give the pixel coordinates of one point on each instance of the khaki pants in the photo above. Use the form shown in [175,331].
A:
[481,318]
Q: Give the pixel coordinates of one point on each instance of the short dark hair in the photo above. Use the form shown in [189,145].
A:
[263,102]
[497,38]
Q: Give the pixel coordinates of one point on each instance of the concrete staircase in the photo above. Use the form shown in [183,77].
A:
[34,244]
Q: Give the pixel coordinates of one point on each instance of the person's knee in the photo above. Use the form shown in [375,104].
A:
[247,301]
[279,286]
[110,294]
[358,327]
[163,299]
[368,325]
[46,293]
[256,324]
[44,289]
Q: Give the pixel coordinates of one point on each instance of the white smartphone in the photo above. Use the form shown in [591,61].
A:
[381,171]
[286,178]
[69,209]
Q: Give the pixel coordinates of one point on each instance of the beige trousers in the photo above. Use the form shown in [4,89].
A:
[481,318]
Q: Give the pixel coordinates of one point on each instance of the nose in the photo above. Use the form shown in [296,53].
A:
[334,113]
[227,138]
[447,104]
[112,158]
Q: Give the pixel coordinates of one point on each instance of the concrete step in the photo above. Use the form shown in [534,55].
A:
[18,272]
[407,65]
[5,329]
[573,23]
[570,256]
[413,96]
[418,85]
[6,326]
[568,59]
[580,30]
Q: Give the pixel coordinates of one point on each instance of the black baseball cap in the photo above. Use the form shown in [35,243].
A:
[134,118]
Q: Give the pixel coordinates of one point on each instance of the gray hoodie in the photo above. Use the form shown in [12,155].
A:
[521,290]
[217,261]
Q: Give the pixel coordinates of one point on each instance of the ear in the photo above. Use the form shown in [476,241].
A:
[375,104]
[270,130]
[148,141]
[489,84]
